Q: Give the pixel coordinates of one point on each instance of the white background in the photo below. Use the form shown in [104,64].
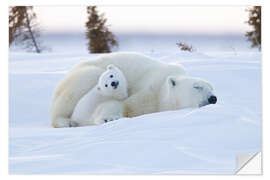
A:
[4,77]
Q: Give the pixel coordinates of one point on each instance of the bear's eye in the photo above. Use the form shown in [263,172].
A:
[198,87]
[106,85]
[111,76]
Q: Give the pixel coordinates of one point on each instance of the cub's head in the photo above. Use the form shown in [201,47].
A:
[112,83]
[186,92]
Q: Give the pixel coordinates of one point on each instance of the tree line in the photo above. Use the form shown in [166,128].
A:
[24,29]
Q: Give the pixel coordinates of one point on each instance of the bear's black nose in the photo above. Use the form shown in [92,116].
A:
[212,99]
[114,84]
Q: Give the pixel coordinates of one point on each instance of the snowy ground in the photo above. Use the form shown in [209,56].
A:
[190,141]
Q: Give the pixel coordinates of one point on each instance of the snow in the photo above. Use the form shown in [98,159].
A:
[206,140]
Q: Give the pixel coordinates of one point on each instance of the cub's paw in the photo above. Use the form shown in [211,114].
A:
[111,119]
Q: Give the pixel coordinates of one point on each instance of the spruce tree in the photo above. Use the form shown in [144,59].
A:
[255,21]
[16,17]
[23,28]
[101,40]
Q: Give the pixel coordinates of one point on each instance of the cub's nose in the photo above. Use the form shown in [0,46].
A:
[212,99]
[115,84]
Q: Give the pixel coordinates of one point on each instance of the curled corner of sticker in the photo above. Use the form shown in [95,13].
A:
[249,164]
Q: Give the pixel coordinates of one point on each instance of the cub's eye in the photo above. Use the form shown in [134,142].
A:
[111,76]
[198,87]
[106,85]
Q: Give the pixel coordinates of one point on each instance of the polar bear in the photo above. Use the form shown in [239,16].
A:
[146,79]
[193,92]
[111,85]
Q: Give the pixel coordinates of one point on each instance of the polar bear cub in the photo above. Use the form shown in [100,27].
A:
[112,85]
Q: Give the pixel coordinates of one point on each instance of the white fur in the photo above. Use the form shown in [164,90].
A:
[146,79]
[108,111]
[103,91]
[112,75]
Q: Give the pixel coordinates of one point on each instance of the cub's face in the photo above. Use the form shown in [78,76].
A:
[191,92]
[112,83]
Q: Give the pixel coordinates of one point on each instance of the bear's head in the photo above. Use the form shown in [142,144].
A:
[186,92]
[112,83]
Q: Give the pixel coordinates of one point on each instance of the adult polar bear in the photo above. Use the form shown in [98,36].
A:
[146,79]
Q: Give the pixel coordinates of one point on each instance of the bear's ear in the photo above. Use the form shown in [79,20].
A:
[171,80]
[98,88]
[111,66]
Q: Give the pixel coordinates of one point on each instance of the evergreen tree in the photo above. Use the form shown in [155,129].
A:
[255,21]
[101,40]
[16,17]
[23,28]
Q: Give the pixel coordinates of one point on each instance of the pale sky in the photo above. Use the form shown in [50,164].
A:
[148,19]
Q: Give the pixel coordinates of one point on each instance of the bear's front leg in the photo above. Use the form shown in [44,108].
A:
[108,111]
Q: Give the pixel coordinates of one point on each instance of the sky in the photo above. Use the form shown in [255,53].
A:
[149,19]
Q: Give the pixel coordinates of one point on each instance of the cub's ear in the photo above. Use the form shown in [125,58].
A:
[171,81]
[111,66]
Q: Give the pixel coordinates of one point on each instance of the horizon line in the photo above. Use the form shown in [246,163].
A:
[150,33]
